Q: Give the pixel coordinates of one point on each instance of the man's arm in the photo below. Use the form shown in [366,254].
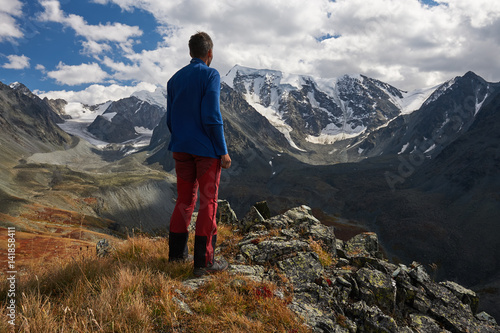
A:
[211,116]
[169,109]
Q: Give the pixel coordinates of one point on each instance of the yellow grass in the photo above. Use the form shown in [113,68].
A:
[136,289]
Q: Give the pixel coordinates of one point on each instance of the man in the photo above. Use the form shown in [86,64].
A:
[199,150]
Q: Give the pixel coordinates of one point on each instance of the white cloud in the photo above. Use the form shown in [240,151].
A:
[91,47]
[12,7]
[109,32]
[481,13]
[9,9]
[41,68]
[403,42]
[78,74]
[150,66]
[97,93]
[17,62]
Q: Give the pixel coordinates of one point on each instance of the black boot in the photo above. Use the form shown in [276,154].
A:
[202,266]
[177,246]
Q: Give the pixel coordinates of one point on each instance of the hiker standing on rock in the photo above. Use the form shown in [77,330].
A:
[199,150]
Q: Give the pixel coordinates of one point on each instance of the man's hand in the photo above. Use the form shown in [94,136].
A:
[226,161]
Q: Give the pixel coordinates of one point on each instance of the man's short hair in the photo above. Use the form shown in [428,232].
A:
[199,45]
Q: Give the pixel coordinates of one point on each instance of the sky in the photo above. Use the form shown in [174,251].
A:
[91,51]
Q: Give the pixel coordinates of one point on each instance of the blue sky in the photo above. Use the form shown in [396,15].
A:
[92,51]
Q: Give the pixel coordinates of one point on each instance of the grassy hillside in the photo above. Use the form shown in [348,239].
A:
[136,289]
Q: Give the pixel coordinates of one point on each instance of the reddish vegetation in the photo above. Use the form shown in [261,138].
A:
[53,215]
[36,249]
[44,234]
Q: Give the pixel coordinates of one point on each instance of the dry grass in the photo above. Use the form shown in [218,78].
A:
[325,258]
[138,290]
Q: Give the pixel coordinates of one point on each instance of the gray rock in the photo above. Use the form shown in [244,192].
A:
[103,248]
[303,268]
[272,250]
[256,272]
[278,222]
[182,305]
[372,319]
[423,323]
[364,244]
[252,218]
[225,214]
[465,295]
[457,318]
[361,292]
[311,314]
[323,234]
[377,288]
[300,215]
[483,316]
[263,209]
[340,248]
[421,303]
[418,273]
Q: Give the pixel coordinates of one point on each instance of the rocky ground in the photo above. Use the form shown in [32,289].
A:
[346,286]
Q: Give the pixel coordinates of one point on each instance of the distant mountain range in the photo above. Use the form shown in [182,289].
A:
[420,168]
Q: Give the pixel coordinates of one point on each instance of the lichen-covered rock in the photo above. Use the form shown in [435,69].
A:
[103,248]
[376,288]
[358,292]
[312,315]
[418,273]
[263,209]
[300,215]
[364,244]
[251,219]
[458,318]
[486,318]
[271,250]
[304,267]
[255,272]
[372,319]
[465,295]
[225,214]
[423,323]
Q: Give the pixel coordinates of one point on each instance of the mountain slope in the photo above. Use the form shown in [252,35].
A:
[322,115]
[119,121]
[444,117]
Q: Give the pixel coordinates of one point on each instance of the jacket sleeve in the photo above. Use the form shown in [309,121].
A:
[169,108]
[211,115]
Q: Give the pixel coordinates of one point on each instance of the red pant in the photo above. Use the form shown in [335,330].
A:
[193,173]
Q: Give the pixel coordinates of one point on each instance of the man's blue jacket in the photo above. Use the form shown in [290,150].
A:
[193,111]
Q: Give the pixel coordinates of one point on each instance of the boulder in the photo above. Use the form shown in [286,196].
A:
[303,268]
[251,219]
[225,214]
[364,244]
[465,295]
[423,323]
[359,291]
[263,209]
[377,288]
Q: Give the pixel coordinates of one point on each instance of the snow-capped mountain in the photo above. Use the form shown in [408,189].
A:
[444,116]
[320,110]
[129,118]
[157,97]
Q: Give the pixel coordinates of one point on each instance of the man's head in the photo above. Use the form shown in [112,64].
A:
[200,46]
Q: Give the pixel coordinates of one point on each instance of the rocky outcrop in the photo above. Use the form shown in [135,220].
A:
[118,129]
[357,290]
